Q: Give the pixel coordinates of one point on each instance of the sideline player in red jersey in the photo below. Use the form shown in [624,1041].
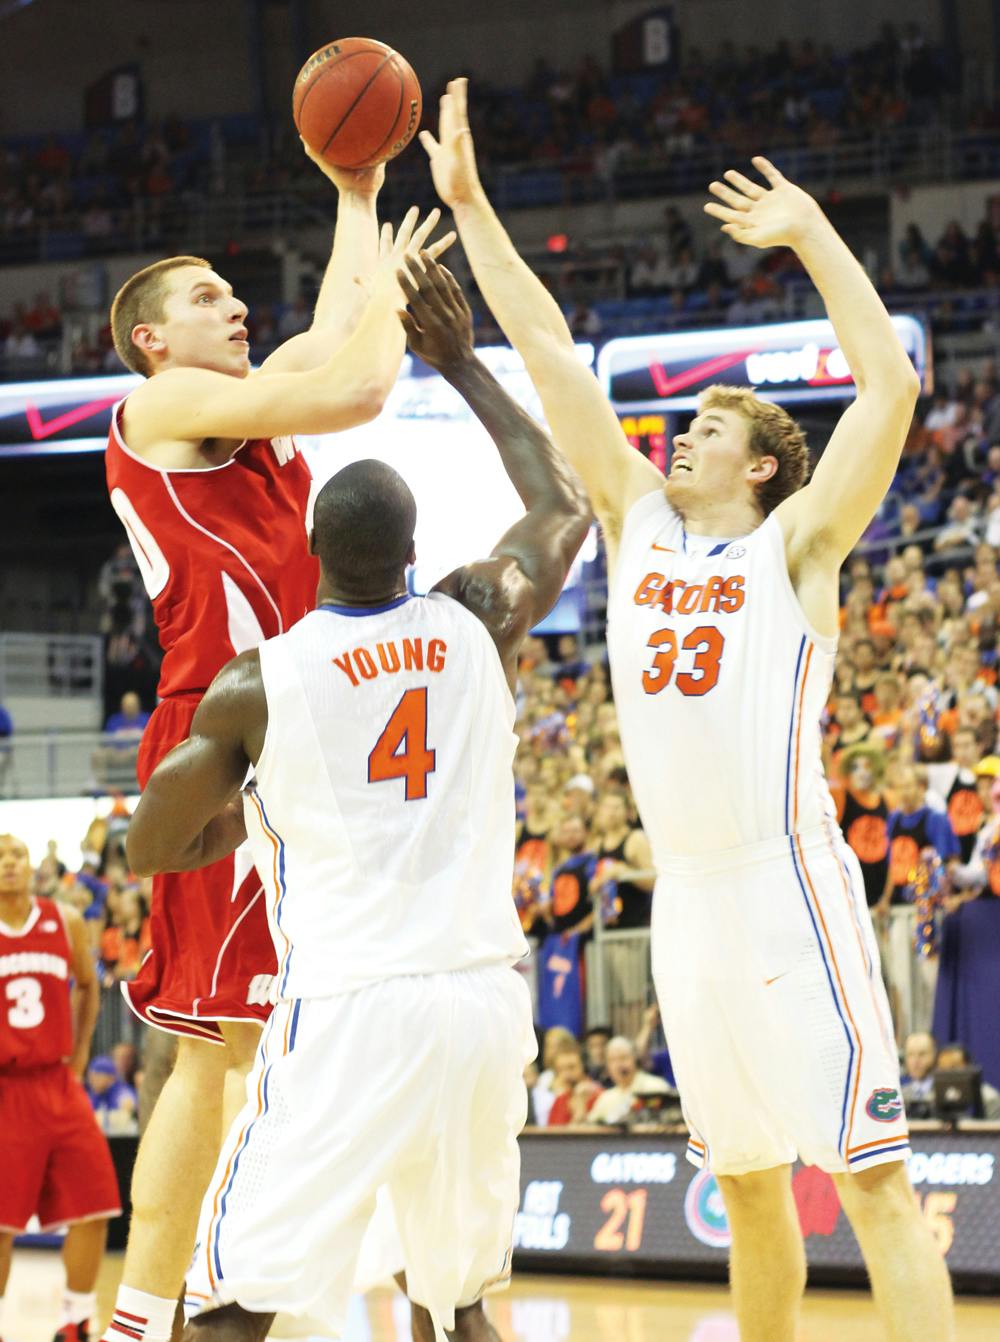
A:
[203,472]
[56,1162]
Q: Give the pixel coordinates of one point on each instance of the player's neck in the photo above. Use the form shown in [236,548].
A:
[14,909]
[332,594]
[726,518]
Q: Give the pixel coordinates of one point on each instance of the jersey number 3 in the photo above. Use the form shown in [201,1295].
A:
[28,1009]
[401,751]
[706,642]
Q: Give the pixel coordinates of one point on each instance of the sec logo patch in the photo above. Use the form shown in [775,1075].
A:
[734,552]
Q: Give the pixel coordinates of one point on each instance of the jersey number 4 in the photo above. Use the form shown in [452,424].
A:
[707,644]
[401,751]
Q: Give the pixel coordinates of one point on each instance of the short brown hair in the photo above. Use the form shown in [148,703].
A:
[773,433]
[139,300]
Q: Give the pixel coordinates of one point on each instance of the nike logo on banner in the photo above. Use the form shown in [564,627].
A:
[45,429]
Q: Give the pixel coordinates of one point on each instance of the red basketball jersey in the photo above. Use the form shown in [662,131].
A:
[222,551]
[36,966]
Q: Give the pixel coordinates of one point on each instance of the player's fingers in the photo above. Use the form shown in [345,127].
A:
[722,212]
[406,228]
[435,280]
[735,231]
[457,293]
[425,229]
[439,248]
[385,239]
[446,117]
[731,198]
[460,89]
[429,143]
[410,326]
[767,169]
[744,184]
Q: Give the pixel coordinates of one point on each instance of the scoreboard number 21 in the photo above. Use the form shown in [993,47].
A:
[626,1210]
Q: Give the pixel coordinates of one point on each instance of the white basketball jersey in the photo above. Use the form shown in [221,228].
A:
[719,684]
[382,817]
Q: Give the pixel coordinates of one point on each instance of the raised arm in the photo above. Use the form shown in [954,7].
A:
[190,813]
[582,422]
[348,388]
[825,520]
[351,268]
[521,581]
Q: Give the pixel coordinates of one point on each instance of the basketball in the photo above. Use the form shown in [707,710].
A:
[356,103]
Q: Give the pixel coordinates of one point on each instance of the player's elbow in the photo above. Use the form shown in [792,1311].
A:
[143,858]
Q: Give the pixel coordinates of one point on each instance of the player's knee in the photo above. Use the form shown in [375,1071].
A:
[199,1062]
[240,1041]
[879,1192]
[755,1195]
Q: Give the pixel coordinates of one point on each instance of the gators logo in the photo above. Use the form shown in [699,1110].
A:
[884,1106]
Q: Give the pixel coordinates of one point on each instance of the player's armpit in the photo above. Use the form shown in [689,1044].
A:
[826,519]
[194,404]
[186,817]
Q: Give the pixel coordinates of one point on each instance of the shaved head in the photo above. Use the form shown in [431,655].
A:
[363,526]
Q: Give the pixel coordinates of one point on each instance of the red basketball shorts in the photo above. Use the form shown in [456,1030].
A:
[211,957]
[56,1161]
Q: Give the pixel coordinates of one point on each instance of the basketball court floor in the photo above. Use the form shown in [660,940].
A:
[535,1309]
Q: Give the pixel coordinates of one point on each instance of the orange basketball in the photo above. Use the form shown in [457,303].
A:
[356,102]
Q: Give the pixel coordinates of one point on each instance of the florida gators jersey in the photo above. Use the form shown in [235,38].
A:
[222,551]
[36,967]
[382,815]
[719,684]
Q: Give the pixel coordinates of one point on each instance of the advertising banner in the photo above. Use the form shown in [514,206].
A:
[786,362]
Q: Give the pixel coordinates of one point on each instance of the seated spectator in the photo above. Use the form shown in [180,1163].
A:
[953,1056]
[595,1045]
[584,322]
[650,273]
[629,1085]
[115,761]
[557,1037]
[962,529]
[574,1091]
[919,1058]
[115,1102]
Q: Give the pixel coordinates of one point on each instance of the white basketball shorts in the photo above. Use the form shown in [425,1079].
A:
[415,1084]
[774,1010]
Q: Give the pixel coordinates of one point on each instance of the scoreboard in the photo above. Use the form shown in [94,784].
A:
[631,1205]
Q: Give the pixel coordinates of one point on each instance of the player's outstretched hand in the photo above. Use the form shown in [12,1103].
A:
[778,215]
[349,181]
[407,245]
[438,324]
[452,154]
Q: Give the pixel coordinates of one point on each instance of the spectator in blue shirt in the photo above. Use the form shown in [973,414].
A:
[6,749]
[913,827]
[115,1102]
[114,762]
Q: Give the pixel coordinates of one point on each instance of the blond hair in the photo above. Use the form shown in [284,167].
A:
[772,433]
[141,300]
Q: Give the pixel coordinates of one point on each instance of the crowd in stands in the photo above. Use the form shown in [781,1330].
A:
[75,195]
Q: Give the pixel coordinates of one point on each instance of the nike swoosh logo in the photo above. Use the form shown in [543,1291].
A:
[664,548]
[41,429]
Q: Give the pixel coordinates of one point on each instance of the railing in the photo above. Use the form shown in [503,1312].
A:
[51,666]
[620,979]
[60,763]
[198,221]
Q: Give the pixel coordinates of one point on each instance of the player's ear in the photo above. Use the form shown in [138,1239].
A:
[146,339]
[763,468]
[312,541]
[411,555]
